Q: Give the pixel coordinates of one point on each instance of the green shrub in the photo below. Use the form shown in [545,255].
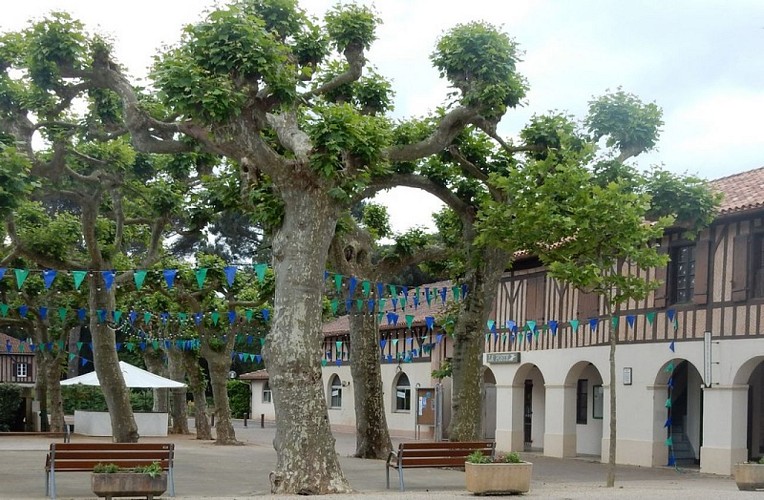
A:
[90,398]
[477,457]
[10,402]
[239,398]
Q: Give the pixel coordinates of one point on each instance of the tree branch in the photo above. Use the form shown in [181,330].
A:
[392,265]
[356,61]
[472,170]
[448,128]
[420,182]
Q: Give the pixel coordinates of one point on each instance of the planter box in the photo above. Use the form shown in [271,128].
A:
[128,484]
[498,478]
[749,476]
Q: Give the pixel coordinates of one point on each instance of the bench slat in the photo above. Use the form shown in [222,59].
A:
[110,446]
[110,455]
[433,462]
[88,465]
[445,445]
[445,453]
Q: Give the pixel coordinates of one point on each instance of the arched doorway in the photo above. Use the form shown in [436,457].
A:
[683,425]
[489,405]
[583,385]
[752,373]
[531,382]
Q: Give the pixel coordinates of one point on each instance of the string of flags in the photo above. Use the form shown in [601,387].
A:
[669,421]
[532,329]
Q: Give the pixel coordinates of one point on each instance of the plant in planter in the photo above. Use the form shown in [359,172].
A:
[749,476]
[110,480]
[502,474]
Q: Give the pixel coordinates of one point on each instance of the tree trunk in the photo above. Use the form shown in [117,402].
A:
[178,410]
[220,364]
[55,401]
[72,366]
[41,391]
[307,461]
[154,363]
[123,426]
[372,435]
[198,386]
[466,400]
[611,449]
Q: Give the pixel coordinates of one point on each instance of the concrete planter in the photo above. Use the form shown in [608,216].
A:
[749,477]
[498,478]
[128,484]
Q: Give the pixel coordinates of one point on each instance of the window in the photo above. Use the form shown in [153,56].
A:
[682,274]
[335,388]
[582,401]
[597,401]
[758,265]
[403,393]
[22,370]
[267,392]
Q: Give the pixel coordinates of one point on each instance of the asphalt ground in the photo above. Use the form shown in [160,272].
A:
[206,470]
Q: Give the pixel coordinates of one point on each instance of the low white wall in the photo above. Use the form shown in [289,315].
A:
[98,423]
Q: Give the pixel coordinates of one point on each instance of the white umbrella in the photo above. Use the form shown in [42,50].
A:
[134,377]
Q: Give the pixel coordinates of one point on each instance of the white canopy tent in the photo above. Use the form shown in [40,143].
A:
[134,378]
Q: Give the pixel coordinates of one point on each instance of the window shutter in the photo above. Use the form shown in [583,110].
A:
[740,268]
[659,296]
[702,264]
[588,305]
[534,296]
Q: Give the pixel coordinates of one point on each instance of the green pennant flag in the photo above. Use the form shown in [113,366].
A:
[249,314]
[393,291]
[139,277]
[487,337]
[668,403]
[262,341]
[79,345]
[359,304]
[339,345]
[71,356]
[457,292]
[395,342]
[146,317]
[335,305]
[60,345]
[670,367]
[409,320]
[130,346]
[614,321]
[21,276]
[21,347]
[182,317]
[403,302]
[650,317]
[215,317]
[574,324]
[201,275]
[382,303]
[338,282]
[155,345]
[676,323]
[117,315]
[79,277]
[669,441]
[4,310]
[324,362]
[428,296]
[380,315]
[62,313]
[366,286]
[504,337]
[260,272]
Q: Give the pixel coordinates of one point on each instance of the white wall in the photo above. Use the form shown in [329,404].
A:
[589,435]
[258,406]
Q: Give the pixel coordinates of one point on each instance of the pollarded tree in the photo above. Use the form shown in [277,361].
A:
[241,83]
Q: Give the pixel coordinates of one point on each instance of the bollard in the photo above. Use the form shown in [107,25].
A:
[212,424]
[246,416]
[262,420]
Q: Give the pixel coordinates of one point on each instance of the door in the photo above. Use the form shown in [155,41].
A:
[528,413]
[489,411]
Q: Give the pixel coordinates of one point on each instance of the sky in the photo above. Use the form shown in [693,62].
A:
[699,60]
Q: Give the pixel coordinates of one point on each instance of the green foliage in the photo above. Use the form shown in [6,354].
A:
[508,458]
[351,26]
[102,468]
[57,40]
[15,179]
[480,61]
[82,397]
[239,398]
[153,470]
[445,370]
[477,457]
[376,220]
[628,124]
[10,402]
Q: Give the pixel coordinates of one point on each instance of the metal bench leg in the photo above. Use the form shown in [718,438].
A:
[172,482]
[387,475]
[52,484]
[400,476]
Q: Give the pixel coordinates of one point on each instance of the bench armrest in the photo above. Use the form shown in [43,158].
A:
[390,456]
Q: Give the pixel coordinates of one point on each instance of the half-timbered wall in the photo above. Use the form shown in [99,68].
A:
[9,370]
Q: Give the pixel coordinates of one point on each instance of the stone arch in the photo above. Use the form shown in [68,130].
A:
[751,373]
[488,419]
[582,414]
[530,384]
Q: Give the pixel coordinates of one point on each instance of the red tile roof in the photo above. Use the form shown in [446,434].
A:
[342,324]
[256,375]
[14,343]
[742,192]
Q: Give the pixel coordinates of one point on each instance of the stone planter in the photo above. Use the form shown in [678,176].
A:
[498,478]
[128,484]
[749,477]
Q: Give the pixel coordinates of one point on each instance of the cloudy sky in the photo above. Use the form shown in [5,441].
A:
[700,60]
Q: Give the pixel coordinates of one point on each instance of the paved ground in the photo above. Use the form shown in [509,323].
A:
[204,470]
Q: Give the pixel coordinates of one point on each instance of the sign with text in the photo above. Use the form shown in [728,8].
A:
[503,357]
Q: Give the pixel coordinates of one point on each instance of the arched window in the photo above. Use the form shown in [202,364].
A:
[402,393]
[335,391]
[266,392]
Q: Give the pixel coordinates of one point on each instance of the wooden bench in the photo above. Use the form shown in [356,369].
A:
[82,457]
[418,454]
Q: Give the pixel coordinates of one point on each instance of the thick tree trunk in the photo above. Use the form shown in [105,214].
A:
[219,364]
[72,365]
[372,435]
[178,408]
[124,428]
[154,363]
[307,461]
[466,400]
[55,401]
[41,391]
[198,386]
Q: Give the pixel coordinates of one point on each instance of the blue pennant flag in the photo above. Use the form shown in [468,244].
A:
[380,289]
[464,290]
[2,272]
[390,317]
[258,358]
[108,278]
[382,343]
[630,319]
[670,382]
[23,310]
[553,326]
[43,313]
[84,362]
[593,324]
[81,314]
[511,325]
[231,317]
[394,300]
[670,313]
[198,318]
[438,338]
[132,317]
[416,301]
[671,346]
[164,316]
[101,315]
[352,283]
[230,274]
[348,305]
[430,322]
[370,305]
[169,277]
[266,314]
[48,275]
[443,293]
